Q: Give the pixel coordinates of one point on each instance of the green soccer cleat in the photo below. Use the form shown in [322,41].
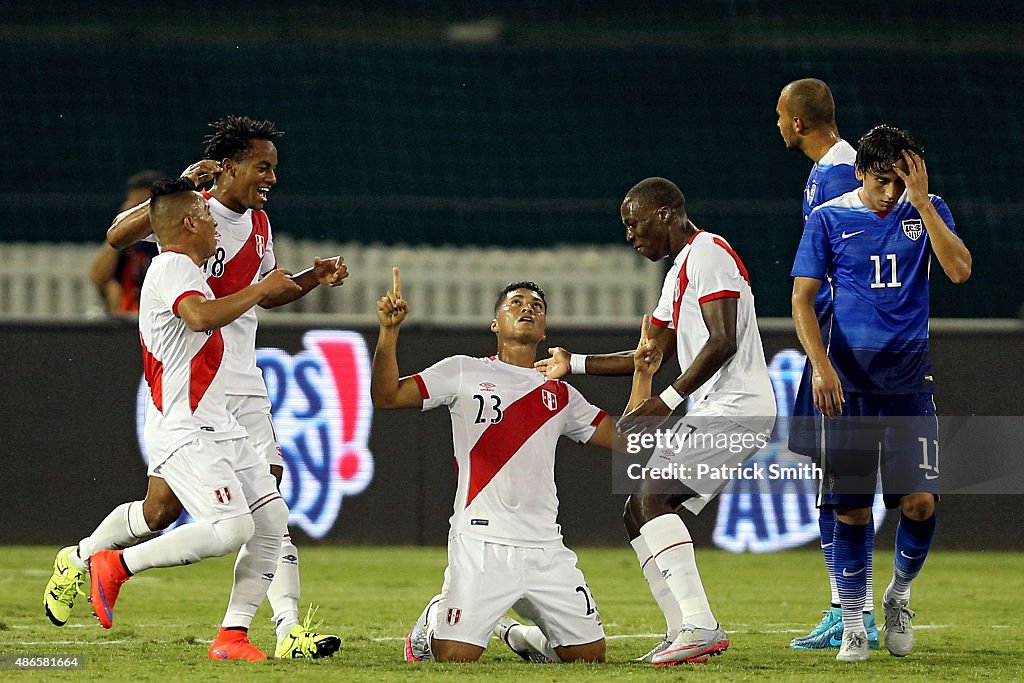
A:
[63,587]
[303,642]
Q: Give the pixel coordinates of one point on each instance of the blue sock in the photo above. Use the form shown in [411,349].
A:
[850,556]
[913,539]
[827,528]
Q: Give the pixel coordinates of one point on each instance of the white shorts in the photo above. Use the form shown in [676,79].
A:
[253,413]
[484,580]
[710,444]
[218,479]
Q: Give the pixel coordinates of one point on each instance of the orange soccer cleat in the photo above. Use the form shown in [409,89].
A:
[234,644]
[107,573]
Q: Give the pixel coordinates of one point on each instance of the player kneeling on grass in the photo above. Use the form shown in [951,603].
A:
[194,442]
[505,548]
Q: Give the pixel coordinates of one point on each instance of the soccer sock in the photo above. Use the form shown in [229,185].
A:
[283,593]
[659,588]
[851,566]
[869,575]
[913,539]
[523,638]
[257,560]
[189,544]
[122,528]
[827,528]
[672,548]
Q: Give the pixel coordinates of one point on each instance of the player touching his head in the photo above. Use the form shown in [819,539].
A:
[875,244]
[195,444]
[241,159]
[505,547]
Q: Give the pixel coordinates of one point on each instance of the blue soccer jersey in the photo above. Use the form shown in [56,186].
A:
[878,267]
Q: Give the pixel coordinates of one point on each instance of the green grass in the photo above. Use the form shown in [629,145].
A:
[967,604]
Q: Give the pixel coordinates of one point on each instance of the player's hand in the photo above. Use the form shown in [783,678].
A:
[828,391]
[555,367]
[392,308]
[331,271]
[916,179]
[202,171]
[277,283]
[647,357]
[645,417]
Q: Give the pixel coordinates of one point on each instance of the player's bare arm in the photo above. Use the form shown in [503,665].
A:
[720,319]
[202,314]
[827,390]
[101,274]
[610,364]
[950,251]
[330,272]
[387,389]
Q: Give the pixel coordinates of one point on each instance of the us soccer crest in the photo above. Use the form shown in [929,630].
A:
[320,399]
[913,228]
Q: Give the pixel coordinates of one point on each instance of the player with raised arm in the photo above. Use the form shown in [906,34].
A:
[505,547]
[875,245]
[196,445]
[241,159]
[706,314]
[807,122]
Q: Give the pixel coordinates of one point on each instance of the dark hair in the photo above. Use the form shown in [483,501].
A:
[811,100]
[143,180]
[883,146]
[232,137]
[513,286]
[658,192]
[169,186]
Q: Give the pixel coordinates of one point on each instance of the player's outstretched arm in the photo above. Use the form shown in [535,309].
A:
[611,364]
[828,391]
[330,272]
[646,360]
[202,314]
[387,389]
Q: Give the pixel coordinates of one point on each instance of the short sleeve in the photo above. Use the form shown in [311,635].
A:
[944,213]
[439,384]
[814,253]
[269,261]
[662,314]
[837,181]
[178,280]
[582,418]
[714,271]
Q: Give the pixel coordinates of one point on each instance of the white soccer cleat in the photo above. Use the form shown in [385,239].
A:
[855,647]
[693,646]
[899,634]
[417,643]
[660,647]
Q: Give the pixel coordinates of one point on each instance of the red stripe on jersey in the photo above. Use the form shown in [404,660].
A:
[153,370]
[735,257]
[683,283]
[423,387]
[658,323]
[182,297]
[600,416]
[244,267]
[204,368]
[499,442]
[724,294]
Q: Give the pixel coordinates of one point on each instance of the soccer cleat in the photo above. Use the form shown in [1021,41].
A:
[827,634]
[854,648]
[660,647]
[234,644]
[693,646]
[899,634]
[304,642]
[107,573]
[417,643]
[505,625]
[64,586]
[872,629]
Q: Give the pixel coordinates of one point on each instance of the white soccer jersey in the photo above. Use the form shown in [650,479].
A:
[245,253]
[506,421]
[706,269]
[184,369]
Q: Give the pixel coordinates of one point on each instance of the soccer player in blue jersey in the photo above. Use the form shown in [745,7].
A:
[875,245]
[807,122]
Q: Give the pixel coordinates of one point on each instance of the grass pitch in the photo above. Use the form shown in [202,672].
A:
[968,606]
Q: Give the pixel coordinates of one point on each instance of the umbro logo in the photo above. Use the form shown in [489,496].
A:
[488,386]
[848,235]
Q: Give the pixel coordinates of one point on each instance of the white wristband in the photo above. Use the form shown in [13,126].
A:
[577,364]
[672,398]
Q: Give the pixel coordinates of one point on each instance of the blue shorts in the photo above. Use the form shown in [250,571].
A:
[897,435]
[805,423]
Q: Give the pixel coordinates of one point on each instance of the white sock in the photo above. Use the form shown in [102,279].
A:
[659,589]
[283,593]
[670,543]
[122,528]
[256,563]
[189,544]
[523,638]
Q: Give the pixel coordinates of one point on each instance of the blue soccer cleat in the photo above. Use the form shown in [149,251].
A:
[827,635]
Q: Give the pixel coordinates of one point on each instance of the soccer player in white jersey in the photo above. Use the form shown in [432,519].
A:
[505,547]
[807,123]
[242,159]
[706,314]
[196,445]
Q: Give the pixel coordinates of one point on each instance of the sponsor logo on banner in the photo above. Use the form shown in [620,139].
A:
[320,399]
[913,228]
